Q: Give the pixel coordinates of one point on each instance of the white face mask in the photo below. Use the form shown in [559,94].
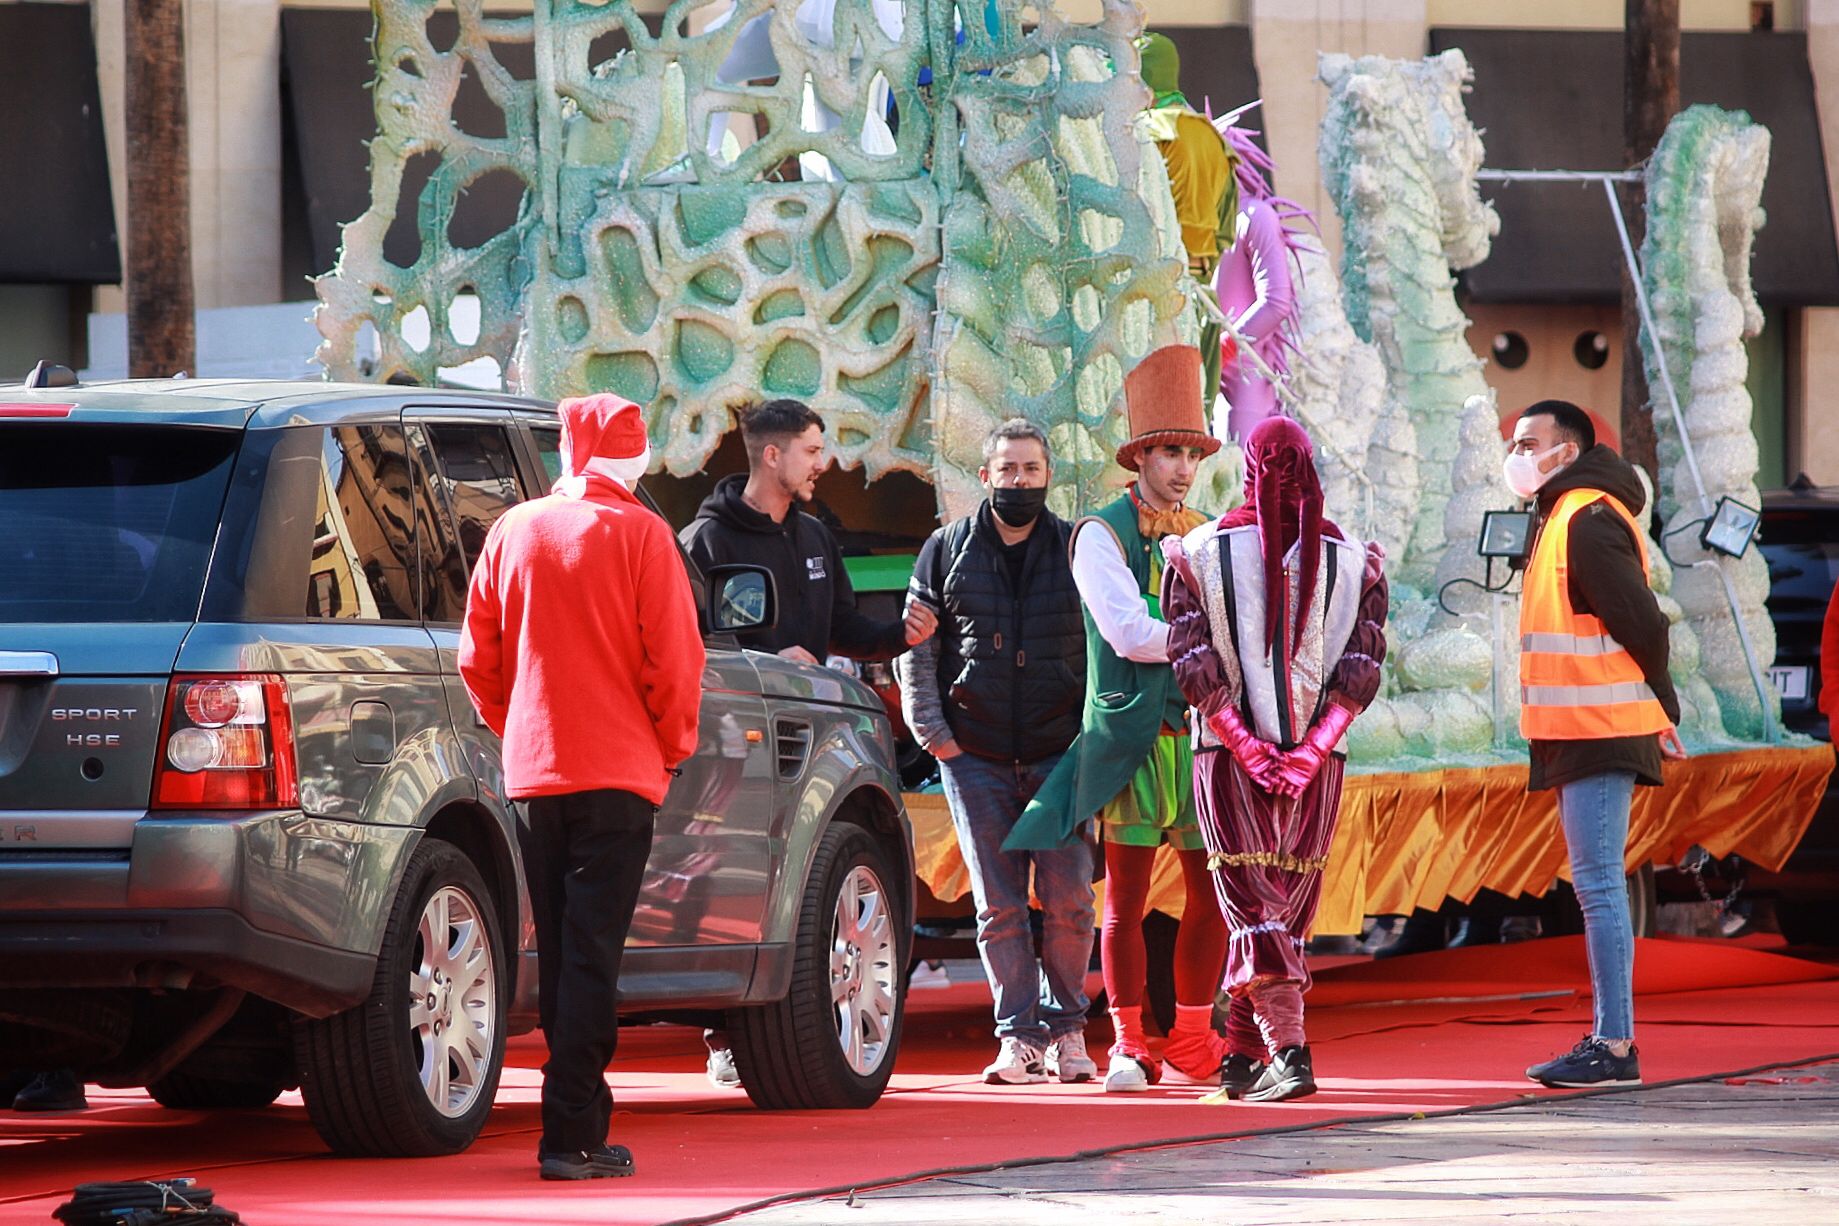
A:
[1522,473]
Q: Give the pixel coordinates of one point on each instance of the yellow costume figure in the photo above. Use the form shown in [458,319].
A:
[1201,179]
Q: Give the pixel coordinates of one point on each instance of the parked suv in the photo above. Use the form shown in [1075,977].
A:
[253,835]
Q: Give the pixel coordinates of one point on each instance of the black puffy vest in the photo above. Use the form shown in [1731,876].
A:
[1012,666]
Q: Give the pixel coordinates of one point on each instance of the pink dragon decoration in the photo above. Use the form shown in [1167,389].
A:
[1255,284]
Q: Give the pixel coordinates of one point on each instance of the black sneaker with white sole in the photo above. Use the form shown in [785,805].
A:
[1290,1074]
[1239,1074]
[607,1162]
[1588,1066]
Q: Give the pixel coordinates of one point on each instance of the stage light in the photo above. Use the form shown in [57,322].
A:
[1731,528]
[1505,534]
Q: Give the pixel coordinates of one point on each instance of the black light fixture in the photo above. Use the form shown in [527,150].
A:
[1731,528]
[1505,534]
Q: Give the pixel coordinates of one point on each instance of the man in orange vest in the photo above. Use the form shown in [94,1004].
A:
[1596,703]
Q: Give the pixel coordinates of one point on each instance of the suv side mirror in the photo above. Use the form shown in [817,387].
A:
[741,597]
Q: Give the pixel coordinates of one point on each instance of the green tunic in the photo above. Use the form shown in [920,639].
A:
[1126,706]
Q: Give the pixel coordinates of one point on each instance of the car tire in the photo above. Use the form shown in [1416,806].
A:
[1808,922]
[831,1042]
[181,1091]
[432,1028]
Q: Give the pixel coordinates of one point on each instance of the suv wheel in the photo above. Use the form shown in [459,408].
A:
[411,1071]
[831,1042]
[1808,922]
[183,1091]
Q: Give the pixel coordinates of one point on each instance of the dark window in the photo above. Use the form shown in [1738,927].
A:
[549,450]
[363,536]
[108,523]
[470,480]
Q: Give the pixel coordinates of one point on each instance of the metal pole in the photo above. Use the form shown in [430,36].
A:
[1770,734]
[1557,176]
[1499,613]
[1660,356]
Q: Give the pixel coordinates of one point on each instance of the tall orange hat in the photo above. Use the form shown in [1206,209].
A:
[1162,400]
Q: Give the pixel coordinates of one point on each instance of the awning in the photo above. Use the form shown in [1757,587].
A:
[1552,100]
[57,219]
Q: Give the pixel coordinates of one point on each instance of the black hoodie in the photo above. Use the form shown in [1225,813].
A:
[817,605]
[1606,580]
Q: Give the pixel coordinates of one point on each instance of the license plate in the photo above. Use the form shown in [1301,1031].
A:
[1790,682]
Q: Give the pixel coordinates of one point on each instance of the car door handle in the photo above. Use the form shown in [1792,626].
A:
[28,664]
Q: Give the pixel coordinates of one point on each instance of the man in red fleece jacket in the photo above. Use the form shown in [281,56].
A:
[582,651]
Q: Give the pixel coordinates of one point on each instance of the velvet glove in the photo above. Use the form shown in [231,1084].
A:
[1253,752]
[1297,769]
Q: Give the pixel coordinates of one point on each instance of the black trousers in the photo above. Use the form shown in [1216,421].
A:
[584,855]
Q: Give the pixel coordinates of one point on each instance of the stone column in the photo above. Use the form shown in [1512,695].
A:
[1813,449]
[233,66]
[1286,36]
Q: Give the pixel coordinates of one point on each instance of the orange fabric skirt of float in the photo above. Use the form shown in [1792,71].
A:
[1411,839]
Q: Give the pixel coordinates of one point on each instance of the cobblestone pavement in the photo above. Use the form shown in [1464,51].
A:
[1761,1153]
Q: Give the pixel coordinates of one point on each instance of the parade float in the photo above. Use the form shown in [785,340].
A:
[923,218]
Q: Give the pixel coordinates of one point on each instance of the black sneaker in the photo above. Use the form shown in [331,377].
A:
[607,1162]
[1588,1066]
[1290,1074]
[58,1090]
[1239,1074]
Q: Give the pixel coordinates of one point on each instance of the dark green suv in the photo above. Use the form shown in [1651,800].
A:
[253,835]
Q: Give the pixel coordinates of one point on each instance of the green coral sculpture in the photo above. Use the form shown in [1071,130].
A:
[975,231]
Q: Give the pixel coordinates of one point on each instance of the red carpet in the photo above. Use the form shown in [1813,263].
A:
[1470,1022]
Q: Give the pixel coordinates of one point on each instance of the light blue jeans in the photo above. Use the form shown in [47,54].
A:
[1594,812]
[1036,1000]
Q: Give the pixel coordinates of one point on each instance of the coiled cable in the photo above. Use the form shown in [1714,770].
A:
[142,1202]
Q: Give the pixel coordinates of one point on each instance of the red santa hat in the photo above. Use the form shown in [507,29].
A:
[603,436]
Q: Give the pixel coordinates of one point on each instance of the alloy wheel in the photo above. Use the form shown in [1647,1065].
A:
[863,977]
[453,1001]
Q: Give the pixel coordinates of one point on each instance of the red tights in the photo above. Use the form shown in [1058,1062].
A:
[1200,946]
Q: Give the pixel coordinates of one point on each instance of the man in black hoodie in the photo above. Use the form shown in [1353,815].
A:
[756,519]
[1596,704]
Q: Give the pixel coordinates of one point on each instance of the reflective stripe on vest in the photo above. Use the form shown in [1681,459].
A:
[1576,681]
[1612,694]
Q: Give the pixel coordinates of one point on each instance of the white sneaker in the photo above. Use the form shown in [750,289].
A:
[722,1073]
[1125,1076]
[929,975]
[1017,1064]
[1068,1060]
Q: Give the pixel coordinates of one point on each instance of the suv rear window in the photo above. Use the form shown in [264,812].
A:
[108,523]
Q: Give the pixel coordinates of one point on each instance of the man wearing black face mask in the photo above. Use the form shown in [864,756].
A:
[996,696]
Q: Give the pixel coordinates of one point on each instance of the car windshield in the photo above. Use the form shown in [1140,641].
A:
[1802,548]
[108,523]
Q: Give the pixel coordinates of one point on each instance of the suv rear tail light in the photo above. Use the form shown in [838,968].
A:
[226,743]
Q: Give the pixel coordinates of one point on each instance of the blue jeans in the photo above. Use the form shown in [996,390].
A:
[1594,812]
[1037,1001]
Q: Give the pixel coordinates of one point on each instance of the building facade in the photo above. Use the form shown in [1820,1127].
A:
[279,113]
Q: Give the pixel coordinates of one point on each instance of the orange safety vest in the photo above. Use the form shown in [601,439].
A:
[1576,682]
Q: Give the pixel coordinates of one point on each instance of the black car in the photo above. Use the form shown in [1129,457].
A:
[1800,539]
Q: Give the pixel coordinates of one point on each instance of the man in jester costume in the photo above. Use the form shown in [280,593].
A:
[1131,764]
[1276,632]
